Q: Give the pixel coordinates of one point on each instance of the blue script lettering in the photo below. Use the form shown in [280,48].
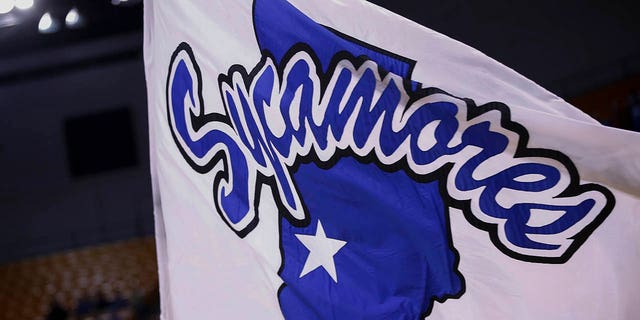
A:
[280,114]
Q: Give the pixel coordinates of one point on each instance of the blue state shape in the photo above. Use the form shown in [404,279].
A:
[398,255]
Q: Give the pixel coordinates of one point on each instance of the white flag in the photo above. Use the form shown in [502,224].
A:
[332,160]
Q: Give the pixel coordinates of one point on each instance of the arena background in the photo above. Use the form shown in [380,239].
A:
[76,220]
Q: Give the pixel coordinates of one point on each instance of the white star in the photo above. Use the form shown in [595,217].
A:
[321,252]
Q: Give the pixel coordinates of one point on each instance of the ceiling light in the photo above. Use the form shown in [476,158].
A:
[24,4]
[47,24]
[73,18]
[6,6]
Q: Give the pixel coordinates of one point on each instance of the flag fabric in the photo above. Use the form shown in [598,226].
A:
[332,160]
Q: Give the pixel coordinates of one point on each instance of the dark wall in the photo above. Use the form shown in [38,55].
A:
[43,207]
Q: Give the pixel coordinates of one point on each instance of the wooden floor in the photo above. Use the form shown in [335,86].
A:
[28,287]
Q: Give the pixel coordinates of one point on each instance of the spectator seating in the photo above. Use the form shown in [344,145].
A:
[28,287]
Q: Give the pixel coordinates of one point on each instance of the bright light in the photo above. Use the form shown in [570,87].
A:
[6,5]
[47,24]
[72,19]
[24,4]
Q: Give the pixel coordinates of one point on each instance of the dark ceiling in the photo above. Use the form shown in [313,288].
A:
[567,46]
[101,19]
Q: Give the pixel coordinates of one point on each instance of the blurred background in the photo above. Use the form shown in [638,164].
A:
[76,218]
